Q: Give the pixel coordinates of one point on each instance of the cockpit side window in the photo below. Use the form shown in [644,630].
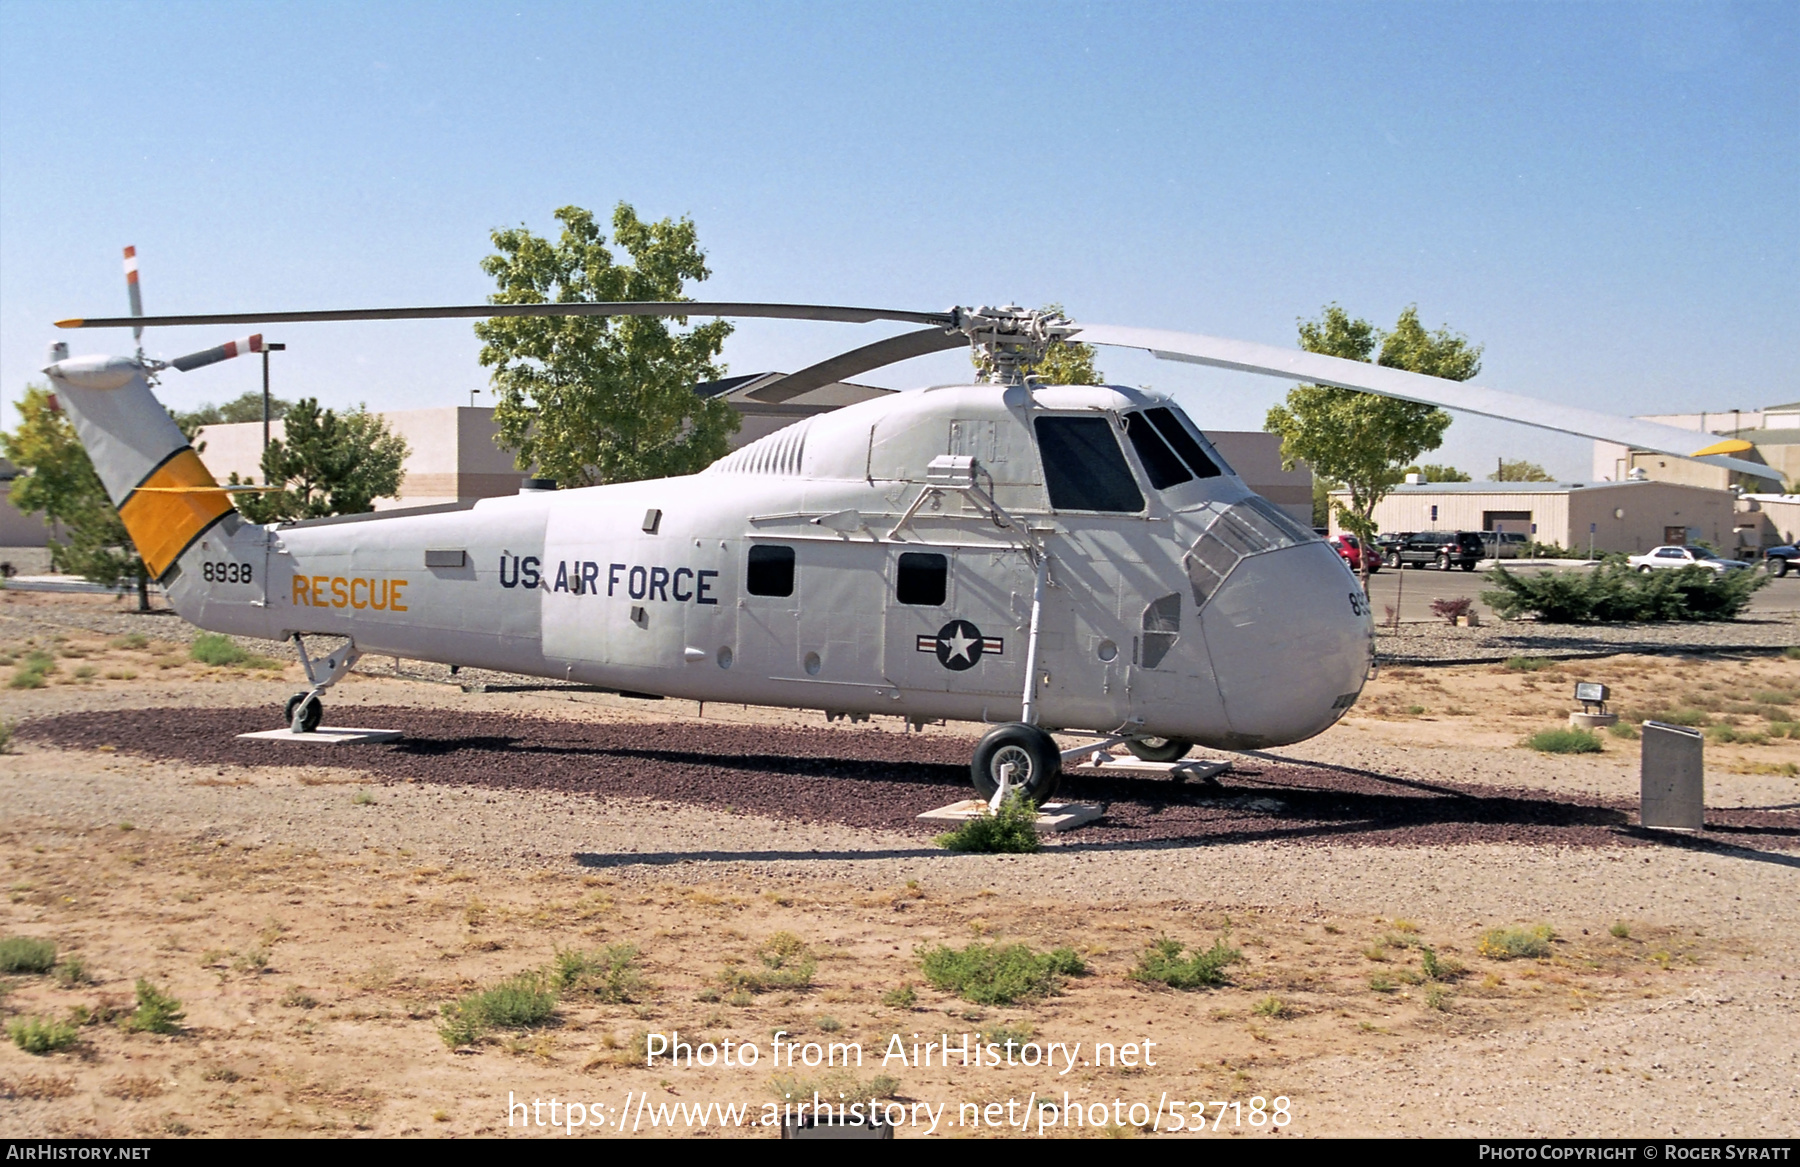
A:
[1170,427]
[1160,463]
[1084,469]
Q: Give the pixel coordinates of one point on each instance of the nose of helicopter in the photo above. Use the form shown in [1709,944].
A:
[1290,637]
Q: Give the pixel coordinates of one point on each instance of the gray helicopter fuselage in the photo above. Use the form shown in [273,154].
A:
[785,575]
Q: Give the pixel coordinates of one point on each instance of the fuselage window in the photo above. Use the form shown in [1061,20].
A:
[771,571]
[924,579]
[1084,468]
[1160,463]
[1170,427]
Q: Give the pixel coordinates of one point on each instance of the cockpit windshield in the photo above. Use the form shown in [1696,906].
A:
[1169,453]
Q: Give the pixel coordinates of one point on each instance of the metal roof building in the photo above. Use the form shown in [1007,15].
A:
[1616,516]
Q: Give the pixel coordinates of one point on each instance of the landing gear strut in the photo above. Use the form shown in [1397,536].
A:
[306,710]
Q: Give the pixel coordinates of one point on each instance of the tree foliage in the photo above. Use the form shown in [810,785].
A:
[1520,471]
[1362,439]
[1435,472]
[61,485]
[589,400]
[326,464]
[246,407]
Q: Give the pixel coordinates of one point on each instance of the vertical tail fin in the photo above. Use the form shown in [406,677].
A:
[165,495]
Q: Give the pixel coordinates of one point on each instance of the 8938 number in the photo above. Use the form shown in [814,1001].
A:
[227,573]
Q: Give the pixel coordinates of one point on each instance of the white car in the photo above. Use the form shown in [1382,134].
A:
[1658,557]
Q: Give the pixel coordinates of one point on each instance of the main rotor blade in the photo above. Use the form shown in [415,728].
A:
[870,356]
[631,308]
[1298,365]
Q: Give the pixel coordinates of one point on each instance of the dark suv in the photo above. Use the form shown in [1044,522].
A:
[1446,549]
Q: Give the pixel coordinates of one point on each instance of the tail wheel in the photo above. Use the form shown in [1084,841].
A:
[1036,763]
[1159,749]
[304,711]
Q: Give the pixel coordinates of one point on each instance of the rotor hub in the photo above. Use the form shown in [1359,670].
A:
[1009,340]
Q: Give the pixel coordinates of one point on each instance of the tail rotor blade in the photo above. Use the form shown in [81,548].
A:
[131,287]
[224,352]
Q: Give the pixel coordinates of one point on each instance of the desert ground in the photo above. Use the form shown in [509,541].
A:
[1438,930]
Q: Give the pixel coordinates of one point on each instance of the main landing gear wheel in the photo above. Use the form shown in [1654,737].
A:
[1036,762]
[304,712]
[1159,749]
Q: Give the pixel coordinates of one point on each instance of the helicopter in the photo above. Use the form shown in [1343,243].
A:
[1041,558]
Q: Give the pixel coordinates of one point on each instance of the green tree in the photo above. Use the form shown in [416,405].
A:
[1434,472]
[245,407]
[1520,471]
[326,464]
[61,485]
[1064,362]
[589,400]
[1363,439]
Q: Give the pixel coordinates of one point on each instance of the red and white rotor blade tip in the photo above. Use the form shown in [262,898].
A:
[131,287]
[212,356]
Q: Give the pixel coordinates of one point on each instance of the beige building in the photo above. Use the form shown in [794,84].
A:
[18,529]
[1629,517]
[1774,433]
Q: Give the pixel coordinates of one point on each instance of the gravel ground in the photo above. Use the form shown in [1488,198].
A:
[1439,643]
[879,780]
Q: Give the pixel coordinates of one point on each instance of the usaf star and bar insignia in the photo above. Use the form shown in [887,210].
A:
[959,644]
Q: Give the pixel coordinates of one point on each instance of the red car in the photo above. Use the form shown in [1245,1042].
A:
[1351,550]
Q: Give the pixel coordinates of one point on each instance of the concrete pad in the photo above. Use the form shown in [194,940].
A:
[325,735]
[1203,768]
[1052,816]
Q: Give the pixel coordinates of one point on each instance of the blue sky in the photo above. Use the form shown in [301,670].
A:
[1604,195]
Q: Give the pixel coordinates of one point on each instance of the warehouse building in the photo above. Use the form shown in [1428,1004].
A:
[1628,517]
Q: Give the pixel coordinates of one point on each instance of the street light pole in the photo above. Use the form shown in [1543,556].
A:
[267,349]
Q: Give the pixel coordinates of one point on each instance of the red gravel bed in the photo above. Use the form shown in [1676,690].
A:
[877,779]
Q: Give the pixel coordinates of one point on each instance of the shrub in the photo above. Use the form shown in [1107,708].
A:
[1163,963]
[1565,741]
[834,1087]
[1013,830]
[210,648]
[1517,943]
[1273,1007]
[1382,983]
[517,1003]
[41,1035]
[73,972]
[1439,968]
[996,974]
[1623,729]
[786,963]
[1614,592]
[157,1012]
[1449,610]
[22,954]
[132,640]
[6,735]
[1529,664]
[611,974]
[904,997]
[30,674]
[1620,930]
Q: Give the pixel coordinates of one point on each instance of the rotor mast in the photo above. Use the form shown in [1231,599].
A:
[1009,341]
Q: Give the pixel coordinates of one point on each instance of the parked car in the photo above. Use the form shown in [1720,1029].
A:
[1445,549]
[1778,560]
[1504,544]
[1658,558]
[1350,549]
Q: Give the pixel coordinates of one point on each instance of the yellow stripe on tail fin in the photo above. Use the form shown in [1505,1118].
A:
[170,508]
